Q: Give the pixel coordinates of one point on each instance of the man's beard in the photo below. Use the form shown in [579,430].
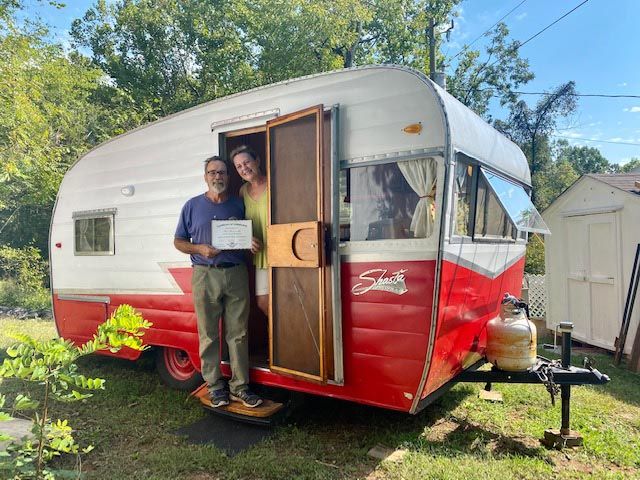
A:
[218,187]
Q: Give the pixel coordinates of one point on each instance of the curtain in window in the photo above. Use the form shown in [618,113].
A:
[84,227]
[420,174]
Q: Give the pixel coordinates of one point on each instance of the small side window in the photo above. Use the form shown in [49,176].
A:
[93,232]
[464,194]
[491,219]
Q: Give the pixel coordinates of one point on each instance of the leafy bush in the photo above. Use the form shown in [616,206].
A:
[535,255]
[52,365]
[23,274]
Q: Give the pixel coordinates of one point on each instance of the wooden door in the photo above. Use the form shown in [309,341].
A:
[296,250]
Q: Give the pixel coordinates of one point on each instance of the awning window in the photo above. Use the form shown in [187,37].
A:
[516,203]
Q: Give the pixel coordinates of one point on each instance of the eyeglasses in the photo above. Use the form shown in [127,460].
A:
[213,173]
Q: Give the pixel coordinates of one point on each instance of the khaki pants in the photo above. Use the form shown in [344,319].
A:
[222,292]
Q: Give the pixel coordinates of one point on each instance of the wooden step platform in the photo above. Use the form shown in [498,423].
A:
[267,409]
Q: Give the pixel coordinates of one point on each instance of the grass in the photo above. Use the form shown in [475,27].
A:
[460,437]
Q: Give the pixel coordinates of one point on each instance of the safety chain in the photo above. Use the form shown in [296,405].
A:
[544,371]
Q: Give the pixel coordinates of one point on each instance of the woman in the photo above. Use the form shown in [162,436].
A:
[254,193]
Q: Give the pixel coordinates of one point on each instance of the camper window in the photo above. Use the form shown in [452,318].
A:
[389,200]
[464,195]
[491,219]
[93,234]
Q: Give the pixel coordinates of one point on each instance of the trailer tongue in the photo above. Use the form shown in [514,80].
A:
[550,374]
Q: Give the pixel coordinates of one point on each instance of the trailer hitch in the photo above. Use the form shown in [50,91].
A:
[551,373]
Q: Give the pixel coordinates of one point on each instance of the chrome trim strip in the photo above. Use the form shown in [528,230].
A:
[385,257]
[84,298]
[389,157]
[117,291]
[98,213]
[274,112]
[448,164]
[336,298]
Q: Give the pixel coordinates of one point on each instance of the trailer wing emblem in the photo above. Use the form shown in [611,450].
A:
[377,279]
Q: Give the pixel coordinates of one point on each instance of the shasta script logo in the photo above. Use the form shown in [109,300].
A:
[377,279]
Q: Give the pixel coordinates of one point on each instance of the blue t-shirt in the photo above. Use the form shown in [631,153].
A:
[195,225]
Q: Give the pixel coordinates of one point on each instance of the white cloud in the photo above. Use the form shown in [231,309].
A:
[623,84]
[616,139]
[635,109]
[522,16]
[573,134]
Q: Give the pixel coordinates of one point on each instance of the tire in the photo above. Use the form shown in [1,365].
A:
[176,370]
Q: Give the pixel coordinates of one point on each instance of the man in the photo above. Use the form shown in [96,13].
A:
[219,286]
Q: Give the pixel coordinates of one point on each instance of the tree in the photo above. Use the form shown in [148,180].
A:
[474,83]
[168,54]
[583,159]
[632,164]
[554,179]
[52,110]
[528,127]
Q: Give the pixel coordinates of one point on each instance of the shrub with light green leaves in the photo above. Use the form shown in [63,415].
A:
[52,364]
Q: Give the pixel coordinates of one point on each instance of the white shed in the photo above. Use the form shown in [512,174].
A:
[595,227]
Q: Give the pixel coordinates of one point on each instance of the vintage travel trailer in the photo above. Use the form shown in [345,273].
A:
[398,220]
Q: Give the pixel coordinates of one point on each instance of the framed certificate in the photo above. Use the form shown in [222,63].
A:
[231,234]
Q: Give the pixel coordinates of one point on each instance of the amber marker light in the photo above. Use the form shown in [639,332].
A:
[413,129]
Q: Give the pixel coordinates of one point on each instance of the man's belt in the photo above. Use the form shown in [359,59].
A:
[220,265]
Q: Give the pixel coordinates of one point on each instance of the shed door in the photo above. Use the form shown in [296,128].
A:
[296,245]
[591,248]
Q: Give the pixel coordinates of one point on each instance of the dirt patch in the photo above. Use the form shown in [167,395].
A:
[440,430]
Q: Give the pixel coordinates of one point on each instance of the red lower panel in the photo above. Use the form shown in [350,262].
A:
[467,301]
[386,316]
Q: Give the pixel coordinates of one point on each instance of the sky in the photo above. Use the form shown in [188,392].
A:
[593,45]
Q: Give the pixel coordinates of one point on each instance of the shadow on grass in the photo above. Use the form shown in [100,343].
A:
[462,435]
[624,384]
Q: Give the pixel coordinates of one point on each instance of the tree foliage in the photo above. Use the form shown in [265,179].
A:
[53,108]
[502,71]
[529,127]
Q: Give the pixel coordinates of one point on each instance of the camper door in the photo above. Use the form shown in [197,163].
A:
[300,337]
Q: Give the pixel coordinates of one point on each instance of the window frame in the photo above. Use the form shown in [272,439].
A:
[366,245]
[456,238]
[108,213]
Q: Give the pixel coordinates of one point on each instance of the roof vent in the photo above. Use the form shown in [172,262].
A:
[441,79]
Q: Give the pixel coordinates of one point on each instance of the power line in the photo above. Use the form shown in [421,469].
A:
[601,95]
[521,44]
[595,140]
[551,24]
[466,47]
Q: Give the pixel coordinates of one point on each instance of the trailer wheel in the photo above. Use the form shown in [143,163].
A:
[176,370]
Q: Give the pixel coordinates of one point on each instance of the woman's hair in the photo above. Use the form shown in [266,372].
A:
[243,149]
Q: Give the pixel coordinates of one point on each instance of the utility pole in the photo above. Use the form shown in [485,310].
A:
[431,37]
[437,77]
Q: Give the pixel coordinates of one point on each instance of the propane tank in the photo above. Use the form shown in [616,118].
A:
[511,337]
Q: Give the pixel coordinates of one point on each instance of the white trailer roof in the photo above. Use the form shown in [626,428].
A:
[470,134]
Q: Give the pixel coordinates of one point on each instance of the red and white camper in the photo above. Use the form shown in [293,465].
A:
[398,221]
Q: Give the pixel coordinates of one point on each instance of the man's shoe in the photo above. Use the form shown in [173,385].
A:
[247,397]
[219,398]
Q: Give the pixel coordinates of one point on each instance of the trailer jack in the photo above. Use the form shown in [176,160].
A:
[551,374]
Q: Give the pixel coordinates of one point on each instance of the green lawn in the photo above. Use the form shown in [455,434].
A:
[461,437]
